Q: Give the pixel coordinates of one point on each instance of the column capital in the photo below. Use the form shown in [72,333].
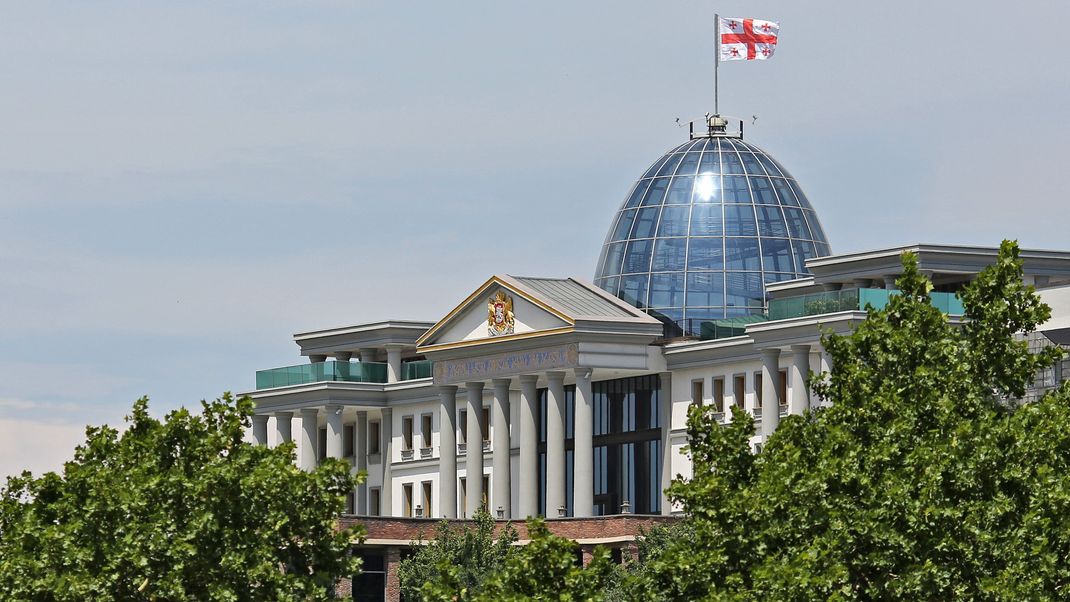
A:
[309,412]
[476,385]
[343,356]
[501,382]
[800,348]
[317,358]
[583,373]
[260,418]
[555,376]
[447,389]
[771,353]
[283,415]
[528,378]
[387,412]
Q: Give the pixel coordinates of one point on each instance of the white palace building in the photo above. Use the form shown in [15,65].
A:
[567,398]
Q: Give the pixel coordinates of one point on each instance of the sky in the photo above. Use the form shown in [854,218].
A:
[183,186]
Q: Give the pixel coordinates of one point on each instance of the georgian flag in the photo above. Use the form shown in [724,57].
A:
[747,39]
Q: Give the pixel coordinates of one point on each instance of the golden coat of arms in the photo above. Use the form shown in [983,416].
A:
[500,315]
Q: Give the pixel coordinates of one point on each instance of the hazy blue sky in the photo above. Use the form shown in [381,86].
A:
[184,185]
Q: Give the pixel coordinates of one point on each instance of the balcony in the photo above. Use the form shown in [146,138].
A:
[302,374]
[416,369]
[854,299]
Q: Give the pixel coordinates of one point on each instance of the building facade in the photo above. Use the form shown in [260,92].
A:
[567,399]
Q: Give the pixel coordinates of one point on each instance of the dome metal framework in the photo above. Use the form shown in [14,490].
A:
[704,229]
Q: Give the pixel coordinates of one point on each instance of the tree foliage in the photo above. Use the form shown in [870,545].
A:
[179,509]
[546,568]
[470,555]
[922,481]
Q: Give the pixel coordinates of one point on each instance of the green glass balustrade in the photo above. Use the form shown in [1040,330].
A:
[853,299]
[416,369]
[354,372]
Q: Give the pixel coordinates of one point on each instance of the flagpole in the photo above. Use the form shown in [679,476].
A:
[716,61]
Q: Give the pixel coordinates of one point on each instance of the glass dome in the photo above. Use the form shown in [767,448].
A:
[704,229]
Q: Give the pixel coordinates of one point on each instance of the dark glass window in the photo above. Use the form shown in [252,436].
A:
[645,222]
[638,257]
[796,223]
[633,289]
[739,220]
[706,220]
[656,191]
[705,289]
[742,254]
[624,225]
[711,163]
[751,165]
[769,165]
[706,254]
[674,221]
[614,256]
[763,191]
[667,289]
[744,289]
[787,197]
[680,190]
[627,466]
[669,254]
[777,255]
[689,164]
[730,163]
[637,193]
[771,222]
[669,166]
[610,285]
[735,190]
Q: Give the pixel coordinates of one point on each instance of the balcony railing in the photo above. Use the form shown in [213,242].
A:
[416,369]
[301,374]
[853,299]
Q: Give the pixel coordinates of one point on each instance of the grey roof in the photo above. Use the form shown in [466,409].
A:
[575,298]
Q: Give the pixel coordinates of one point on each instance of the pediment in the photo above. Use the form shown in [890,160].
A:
[501,309]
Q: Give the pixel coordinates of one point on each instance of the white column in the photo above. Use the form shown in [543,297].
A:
[555,444]
[583,448]
[770,403]
[665,399]
[284,426]
[367,355]
[386,492]
[474,450]
[360,450]
[309,438]
[447,451]
[393,363]
[529,447]
[334,431]
[260,428]
[501,481]
[800,370]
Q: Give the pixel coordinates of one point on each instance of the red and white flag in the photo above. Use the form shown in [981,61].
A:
[747,39]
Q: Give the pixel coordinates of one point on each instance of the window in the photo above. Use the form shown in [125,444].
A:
[351,502]
[426,486]
[321,444]
[425,429]
[406,508]
[782,388]
[718,394]
[370,584]
[462,423]
[486,489]
[485,424]
[347,440]
[757,390]
[373,437]
[406,433]
[461,503]
[739,389]
[696,392]
[373,502]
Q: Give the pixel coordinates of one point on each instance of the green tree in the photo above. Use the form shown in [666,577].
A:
[472,555]
[546,568]
[924,480]
[180,509]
